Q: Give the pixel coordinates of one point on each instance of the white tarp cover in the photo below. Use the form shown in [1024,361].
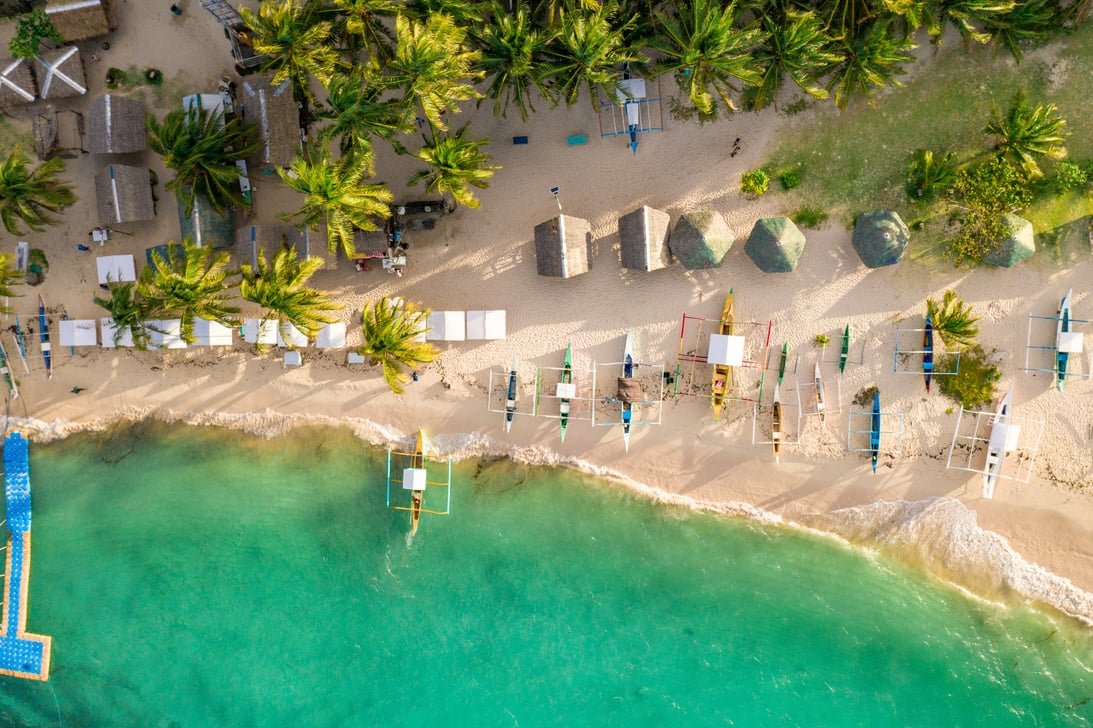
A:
[288,336]
[1071,342]
[116,268]
[354,358]
[78,333]
[1004,437]
[211,333]
[108,332]
[566,391]
[165,334]
[447,326]
[293,359]
[485,325]
[726,350]
[260,331]
[413,478]
[331,336]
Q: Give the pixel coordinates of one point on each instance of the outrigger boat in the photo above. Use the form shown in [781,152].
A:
[564,387]
[43,324]
[415,480]
[1063,327]
[9,376]
[928,351]
[776,423]
[417,496]
[627,373]
[21,343]
[782,362]
[996,445]
[722,373]
[820,404]
[845,351]
[510,397]
[874,431]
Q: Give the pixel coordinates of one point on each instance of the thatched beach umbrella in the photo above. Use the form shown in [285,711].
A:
[701,239]
[1020,244]
[274,111]
[58,133]
[17,86]
[643,239]
[775,244]
[62,73]
[561,246]
[124,194]
[880,238]
[116,125]
[81,19]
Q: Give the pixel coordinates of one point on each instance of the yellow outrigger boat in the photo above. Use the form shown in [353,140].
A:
[722,373]
[415,480]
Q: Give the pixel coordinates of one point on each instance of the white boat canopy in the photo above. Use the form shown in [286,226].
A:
[1004,437]
[109,331]
[447,326]
[726,350]
[116,268]
[413,478]
[1071,342]
[485,325]
[211,333]
[331,336]
[78,333]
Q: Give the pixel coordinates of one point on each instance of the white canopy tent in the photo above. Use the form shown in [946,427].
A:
[116,268]
[447,326]
[165,334]
[331,336]
[211,333]
[290,337]
[485,325]
[109,331]
[78,333]
[260,331]
[726,350]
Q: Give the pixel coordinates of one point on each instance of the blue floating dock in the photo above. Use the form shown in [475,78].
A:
[21,654]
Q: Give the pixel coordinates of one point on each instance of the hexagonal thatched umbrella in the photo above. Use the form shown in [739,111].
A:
[880,238]
[701,239]
[1020,244]
[775,244]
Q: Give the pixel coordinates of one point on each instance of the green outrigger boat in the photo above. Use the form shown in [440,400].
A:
[845,352]
[567,379]
[9,377]
[782,363]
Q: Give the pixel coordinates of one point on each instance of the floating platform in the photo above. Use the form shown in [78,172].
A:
[21,654]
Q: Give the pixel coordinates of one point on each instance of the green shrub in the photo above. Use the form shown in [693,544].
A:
[754,183]
[973,386]
[1069,176]
[822,340]
[790,178]
[153,76]
[808,216]
[930,175]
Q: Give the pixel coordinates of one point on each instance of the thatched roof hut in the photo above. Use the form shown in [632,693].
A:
[17,86]
[250,239]
[561,246]
[62,73]
[59,134]
[205,225]
[81,19]
[274,111]
[701,239]
[1020,244]
[880,238]
[124,194]
[117,125]
[775,244]
[643,239]
[370,243]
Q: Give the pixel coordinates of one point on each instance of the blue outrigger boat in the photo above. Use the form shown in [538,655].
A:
[627,373]
[43,324]
[928,351]
[510,397]
[874,431]
[1063,327]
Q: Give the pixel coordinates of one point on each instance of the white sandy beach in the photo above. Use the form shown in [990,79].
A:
[484,259]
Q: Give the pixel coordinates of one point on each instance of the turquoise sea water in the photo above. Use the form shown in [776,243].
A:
[201,577]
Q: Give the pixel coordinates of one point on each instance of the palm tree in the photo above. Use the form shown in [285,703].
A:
[587,51]
[364,21]
[953,320]
[465,12]
[964,15]
[390,339]
[1025,132]
[335,194]
[298,44]
[358,113]
[201,147]
[707,52]
[931,174]
[456,164]
[188,284]
[10,276]
[1028,21]
[433,66]
[512,52]
[28,197]
[128,312]
[869,57]
[281,288]
[795,46]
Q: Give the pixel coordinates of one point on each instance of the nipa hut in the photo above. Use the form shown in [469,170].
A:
[205,225]
[81,19]
[59,134]
[561,246]
[880,238]
[775,244]
[62,73]
[117,125]
[17,86]
[701,239]
[274,111]
[1020,244]
[643,239]
[124,194]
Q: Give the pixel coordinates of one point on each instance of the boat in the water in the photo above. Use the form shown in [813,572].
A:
[47,348]
[928,351]
[722,373]
[414,479]
[776,422]
[874,431]
[821,404]
[627,373]
[997,444]
[1062,356]
[510,397]
[564,387]
[845,351]
[9,375]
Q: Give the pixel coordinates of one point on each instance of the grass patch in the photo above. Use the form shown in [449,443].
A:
[973,385]
[808,216]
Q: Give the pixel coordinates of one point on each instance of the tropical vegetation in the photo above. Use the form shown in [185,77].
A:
[188,284]
[280,287]
[392,330]
[29,197]
[972,386]
[456,164]
[128,312]
[953,320]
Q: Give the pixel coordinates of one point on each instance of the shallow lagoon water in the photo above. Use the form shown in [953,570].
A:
[199,577]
